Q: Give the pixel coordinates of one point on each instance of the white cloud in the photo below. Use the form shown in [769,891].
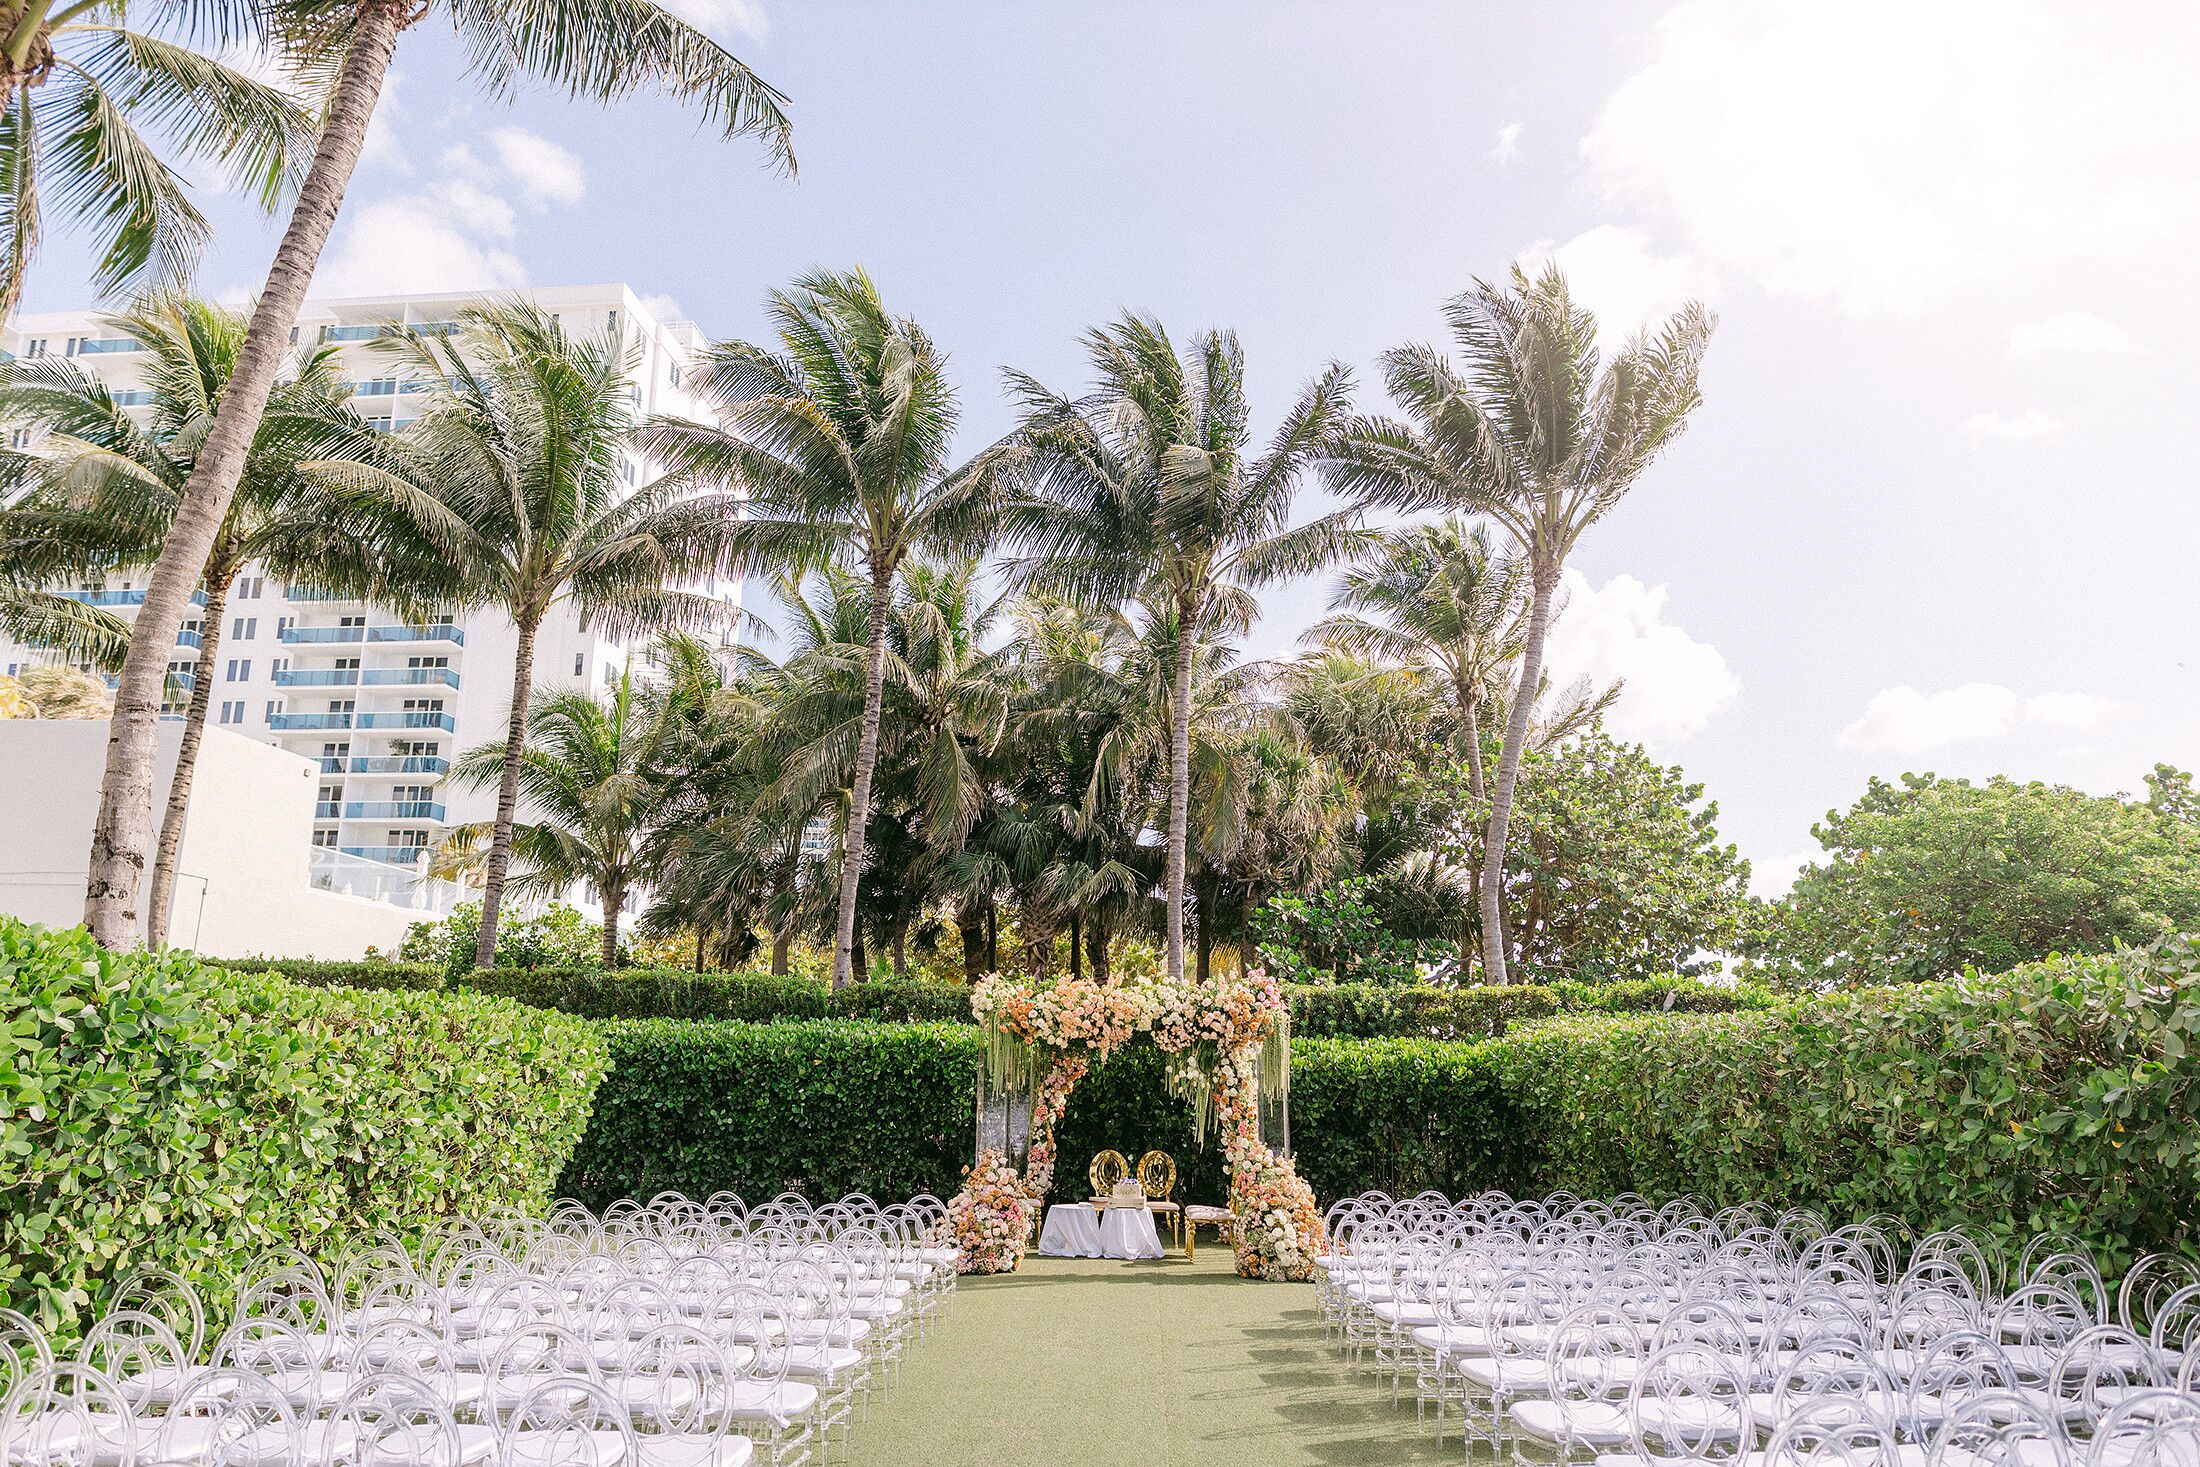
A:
[1508,143]
[2023,427]
[1881,153]
[417,243]
[2078,712]
[2072,331]
[1615,273]
[1902,720]
[742,17]
[382,147]
[545,172]
[1674,682]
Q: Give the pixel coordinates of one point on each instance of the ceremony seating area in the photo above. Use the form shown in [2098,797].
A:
[1630,1335]
[676,1334]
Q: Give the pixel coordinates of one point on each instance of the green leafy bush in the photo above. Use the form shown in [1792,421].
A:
[328,973]
[824,1107]
[1336,935]
[1375,1011]
[556,938]
[154,1108]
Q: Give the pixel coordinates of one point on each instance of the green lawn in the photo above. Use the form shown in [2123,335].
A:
[1135,1365]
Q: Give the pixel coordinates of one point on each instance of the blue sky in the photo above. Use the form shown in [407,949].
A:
[1938,511]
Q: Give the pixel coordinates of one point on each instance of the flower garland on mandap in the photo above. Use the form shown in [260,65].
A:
[1226,1038]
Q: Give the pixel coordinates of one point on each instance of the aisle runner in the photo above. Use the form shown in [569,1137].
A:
[1169,1364]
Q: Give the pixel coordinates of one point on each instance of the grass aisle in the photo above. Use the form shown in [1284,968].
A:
[1168,1364]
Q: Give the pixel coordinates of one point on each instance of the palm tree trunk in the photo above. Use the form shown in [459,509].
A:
[782,945]
[970,924]
[614,901]
[901,951]
[162,896]
[120,832]
[500,835]
[859,798]
[698,947]
[1470,715]
[1076,948]
[1100,972]
[1180,781]
[992,937]
[1508,775]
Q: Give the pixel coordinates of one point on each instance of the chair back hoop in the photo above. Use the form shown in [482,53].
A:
[1107,1168]
[1157,1174]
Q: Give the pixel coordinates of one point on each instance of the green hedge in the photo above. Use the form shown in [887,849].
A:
[824,1107]
[1369,1011]
[328,973]
[679,993]
[157,1109]
[2060,1095]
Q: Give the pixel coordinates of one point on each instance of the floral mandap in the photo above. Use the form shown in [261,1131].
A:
[1226,1039]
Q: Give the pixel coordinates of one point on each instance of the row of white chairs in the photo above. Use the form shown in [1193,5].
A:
[667,1334]
[1629,1335]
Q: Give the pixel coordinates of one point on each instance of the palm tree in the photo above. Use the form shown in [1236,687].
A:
[103,467]
[1147,488]
[508,491]
[596,775]
[38,546]
[76,86]
[601,49]
[840,441]
[1542,437]
[1436,598]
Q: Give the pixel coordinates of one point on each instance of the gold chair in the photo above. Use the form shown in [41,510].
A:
[1195,1218]
[1106,1170]
[1157,1178]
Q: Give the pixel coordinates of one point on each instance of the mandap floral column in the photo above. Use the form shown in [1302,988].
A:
[1046,1109]
[1279,1229]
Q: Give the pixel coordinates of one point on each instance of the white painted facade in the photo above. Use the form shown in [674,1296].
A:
[377,707]
[248,881]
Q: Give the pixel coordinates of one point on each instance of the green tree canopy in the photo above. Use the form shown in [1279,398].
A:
[1924,877]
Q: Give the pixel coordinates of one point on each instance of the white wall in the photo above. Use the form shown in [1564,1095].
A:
[243,885]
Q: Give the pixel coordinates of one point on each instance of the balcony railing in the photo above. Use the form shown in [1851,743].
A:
[411,718]
[308,636]
[332,764]
[434,632]
[317,677]
[393,810]
[325,809]
[284,722]
[383,881]
[410,677]
[394,855]
[308,593]
[121,598]
[185,637]
[402,764]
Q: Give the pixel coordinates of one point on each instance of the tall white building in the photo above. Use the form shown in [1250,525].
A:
[381,704]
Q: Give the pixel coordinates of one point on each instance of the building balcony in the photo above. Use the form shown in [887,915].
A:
[121,598]
[410,718]
[410,677]
[394,855]
[311,636]
[325,809]
[308,593]
[399,764]
[317,677]
[293,722]
[394,810]
[188,638]
[435,632]
[332,764]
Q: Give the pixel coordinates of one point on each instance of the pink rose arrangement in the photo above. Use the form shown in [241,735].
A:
[990,1216]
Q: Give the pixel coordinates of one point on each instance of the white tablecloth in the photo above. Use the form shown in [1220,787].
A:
[1074,1230]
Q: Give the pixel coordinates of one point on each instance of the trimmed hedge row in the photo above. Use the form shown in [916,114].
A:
[824,1107]
[1345,1011]
[2058,1096]
[156,1109]
[331,973]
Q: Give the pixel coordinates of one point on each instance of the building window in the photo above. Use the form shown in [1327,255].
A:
[244,629]
[325,839]
[232,712]
[279,666]
[248,589]
[274,706]
[240,670]
[37,348]
[580,664]
[378,387]
[284,624]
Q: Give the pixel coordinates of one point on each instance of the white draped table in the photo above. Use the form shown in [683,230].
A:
[1078,1230]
